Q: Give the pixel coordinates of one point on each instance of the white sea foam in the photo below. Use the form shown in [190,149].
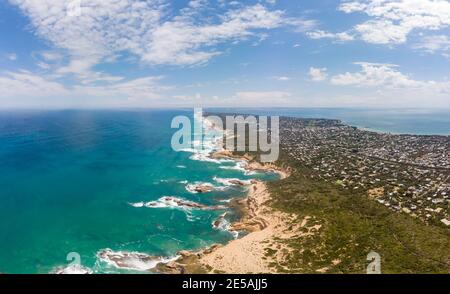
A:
[189,150]
[176,203]
[165,202]
[240,166]
[132,260]
[73,269]
[224,225]
[194,188]
[206,157]
[137,204]
[232,181]
[190,217]
[202,149]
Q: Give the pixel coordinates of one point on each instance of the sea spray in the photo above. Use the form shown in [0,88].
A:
[176,203]
[132,260]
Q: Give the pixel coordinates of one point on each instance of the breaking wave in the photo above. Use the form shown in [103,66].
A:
[132,260]
[222,224]
[240,166]
[73,269]
[175,203]
[232,181]
[203,187]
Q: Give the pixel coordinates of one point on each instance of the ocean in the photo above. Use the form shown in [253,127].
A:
[72,181]
[84,181]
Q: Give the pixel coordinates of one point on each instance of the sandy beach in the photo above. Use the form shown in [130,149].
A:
[263,227]
[246,255]
[261,247]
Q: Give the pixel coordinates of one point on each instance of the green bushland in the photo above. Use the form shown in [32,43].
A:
[352,225]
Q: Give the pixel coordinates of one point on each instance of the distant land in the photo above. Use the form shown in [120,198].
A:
[397,121]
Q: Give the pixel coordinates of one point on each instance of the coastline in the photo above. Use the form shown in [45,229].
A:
[264,229]
[302,238]
[262,248]
[267,239]
[263,226]
[259,224]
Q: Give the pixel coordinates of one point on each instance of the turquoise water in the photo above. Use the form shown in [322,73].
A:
[396,121]
[67,178]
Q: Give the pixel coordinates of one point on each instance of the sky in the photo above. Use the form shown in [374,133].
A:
[199,53]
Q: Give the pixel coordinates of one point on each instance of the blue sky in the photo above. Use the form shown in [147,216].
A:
[158,53]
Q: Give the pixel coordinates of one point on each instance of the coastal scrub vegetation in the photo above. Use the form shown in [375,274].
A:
[351,226]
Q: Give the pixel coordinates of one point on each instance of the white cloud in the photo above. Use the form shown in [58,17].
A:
[183,42]
[47,60]
[43,65]
[50,56]
[387,76]
[301,25]
[432,44]
[391,21]
[282,78]
[327,35]
[25,83]
[12,56]
[103,28]
[317,74]
[147,87]
[150,30]
[258,98]
[263,95]
[243,99]
[374,74]
[81,68]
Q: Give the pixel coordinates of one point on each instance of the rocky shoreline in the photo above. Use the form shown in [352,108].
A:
[251,165]
[260,225]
